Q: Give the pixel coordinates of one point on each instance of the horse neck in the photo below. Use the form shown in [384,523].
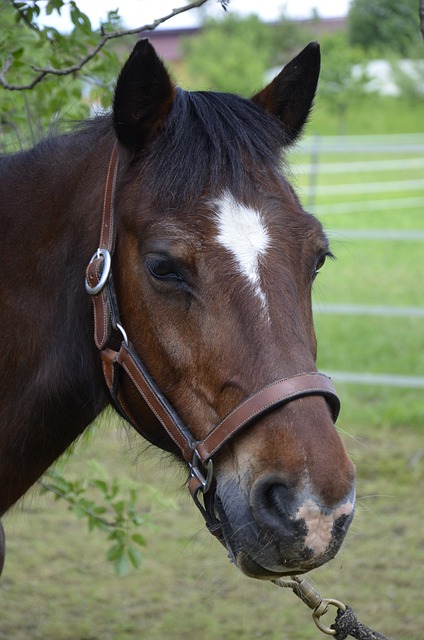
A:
[50,376]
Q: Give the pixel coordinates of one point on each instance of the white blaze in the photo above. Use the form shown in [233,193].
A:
[242,231]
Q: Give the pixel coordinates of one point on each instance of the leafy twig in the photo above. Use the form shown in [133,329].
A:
[59,493]
[42,72]
[123,518]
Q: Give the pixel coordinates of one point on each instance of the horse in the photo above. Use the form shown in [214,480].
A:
[155,258]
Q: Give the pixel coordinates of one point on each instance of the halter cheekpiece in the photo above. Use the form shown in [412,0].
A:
[198,454]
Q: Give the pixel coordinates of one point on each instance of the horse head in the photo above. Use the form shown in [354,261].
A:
[213,268]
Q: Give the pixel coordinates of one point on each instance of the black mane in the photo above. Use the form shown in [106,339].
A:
[210,141]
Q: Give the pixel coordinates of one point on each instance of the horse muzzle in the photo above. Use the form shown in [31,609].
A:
[275,530]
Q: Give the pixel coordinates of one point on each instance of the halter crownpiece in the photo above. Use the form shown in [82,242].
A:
[198,454]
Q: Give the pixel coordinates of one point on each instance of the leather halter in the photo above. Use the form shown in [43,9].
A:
[198,454]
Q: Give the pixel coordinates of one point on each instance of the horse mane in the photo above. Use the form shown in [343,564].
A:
[210,140]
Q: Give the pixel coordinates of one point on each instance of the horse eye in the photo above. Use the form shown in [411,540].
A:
[164,269]
[321,261]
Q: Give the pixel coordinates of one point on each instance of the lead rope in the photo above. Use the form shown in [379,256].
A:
[346,624]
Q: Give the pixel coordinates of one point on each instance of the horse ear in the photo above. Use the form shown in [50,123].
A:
[143,97]
[290,95]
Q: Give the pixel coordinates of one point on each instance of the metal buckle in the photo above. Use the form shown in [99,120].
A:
[107,262]
[196,472]
[310,596]
[122,331]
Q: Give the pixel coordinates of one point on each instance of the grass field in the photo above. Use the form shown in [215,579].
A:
[379,263]
[57,585]
[373,115]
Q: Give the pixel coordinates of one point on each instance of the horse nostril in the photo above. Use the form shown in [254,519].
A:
[277,498]
[272,503]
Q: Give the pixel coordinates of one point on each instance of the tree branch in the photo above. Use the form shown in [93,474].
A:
[43,72]
[421,13]
[61,494]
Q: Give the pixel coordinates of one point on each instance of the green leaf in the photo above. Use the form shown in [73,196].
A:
[115,552]
[54,5]
[119,507]
[79,19]
[102,485]
[139,539]
[61,484]
[18,53]
[135,557]
[113,492]
[99,510]
[80,512]
[122,566]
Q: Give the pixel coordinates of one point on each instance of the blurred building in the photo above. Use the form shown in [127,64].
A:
[167,42]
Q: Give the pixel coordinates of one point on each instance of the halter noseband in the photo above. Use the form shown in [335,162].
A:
[198,454]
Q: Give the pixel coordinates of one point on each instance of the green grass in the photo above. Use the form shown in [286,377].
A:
[57,586]
[371,344]
[389,220]
[371,409]
[372,272]
[370,115]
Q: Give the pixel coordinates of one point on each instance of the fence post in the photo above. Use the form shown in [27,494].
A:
[313,174]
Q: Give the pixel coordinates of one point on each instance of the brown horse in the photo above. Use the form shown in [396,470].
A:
[213,260]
